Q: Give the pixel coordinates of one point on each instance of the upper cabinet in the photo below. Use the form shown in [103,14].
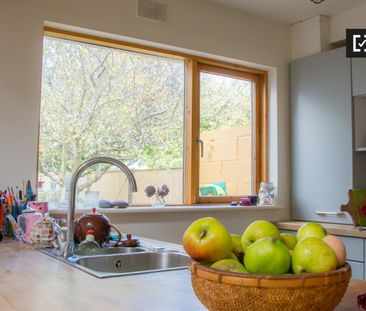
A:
[359,121]
[359,76]
[321,136]
[359,102]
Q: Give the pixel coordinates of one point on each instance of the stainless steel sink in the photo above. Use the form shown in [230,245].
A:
[120,261]
[107,251]
[131,263]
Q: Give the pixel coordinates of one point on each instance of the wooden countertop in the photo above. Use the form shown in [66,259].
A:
[32,281]
[336,229]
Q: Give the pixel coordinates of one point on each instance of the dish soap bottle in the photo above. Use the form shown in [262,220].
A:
[89,242]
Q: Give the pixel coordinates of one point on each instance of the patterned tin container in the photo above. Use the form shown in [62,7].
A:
[26,221]
[42,232]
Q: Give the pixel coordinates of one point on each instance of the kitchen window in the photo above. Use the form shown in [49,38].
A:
[195,124]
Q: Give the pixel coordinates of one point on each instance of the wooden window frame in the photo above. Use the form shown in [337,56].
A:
[194,64]
[194,68]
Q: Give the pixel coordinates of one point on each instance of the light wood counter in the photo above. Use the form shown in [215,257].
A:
[32,281]
[336,229]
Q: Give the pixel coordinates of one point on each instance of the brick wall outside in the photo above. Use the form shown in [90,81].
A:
[226,158]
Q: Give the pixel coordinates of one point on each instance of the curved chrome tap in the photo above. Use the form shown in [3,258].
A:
[68,247]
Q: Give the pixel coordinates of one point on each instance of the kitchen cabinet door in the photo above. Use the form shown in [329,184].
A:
[354,248]
[321,136]
[358,76]
[357,270]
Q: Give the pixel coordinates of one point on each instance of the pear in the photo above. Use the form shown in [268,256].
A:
[313,255]
[231,265]
[311,229]
[289,240]
[232,256]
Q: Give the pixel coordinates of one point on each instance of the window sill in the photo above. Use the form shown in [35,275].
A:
[173,209]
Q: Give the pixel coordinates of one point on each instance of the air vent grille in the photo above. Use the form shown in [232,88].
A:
[152,10]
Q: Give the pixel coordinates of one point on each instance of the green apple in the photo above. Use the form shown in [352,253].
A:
[231,265]
[267,256]
[313,255]
[256,230]
[289,240]
[237,249]
[311,229]
[206,239]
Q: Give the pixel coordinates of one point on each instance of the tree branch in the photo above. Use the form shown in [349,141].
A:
[55,178]
[94,179]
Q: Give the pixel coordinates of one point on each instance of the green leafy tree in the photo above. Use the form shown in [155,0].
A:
[99,101]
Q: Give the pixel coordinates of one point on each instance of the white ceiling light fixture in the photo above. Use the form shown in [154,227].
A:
[317,1]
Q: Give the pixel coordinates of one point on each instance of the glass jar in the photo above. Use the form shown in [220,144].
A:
[157,202]
[266,193]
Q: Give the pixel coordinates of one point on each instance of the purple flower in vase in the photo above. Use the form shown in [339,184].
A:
[163,191]
[157,194]
[150,191]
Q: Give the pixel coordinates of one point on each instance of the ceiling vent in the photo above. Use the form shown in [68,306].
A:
[152,10]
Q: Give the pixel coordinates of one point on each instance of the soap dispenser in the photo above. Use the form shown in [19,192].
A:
[89,242]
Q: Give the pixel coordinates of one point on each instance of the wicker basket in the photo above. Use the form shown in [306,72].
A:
[226,291]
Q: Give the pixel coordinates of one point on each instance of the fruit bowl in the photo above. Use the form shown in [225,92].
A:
[228,291]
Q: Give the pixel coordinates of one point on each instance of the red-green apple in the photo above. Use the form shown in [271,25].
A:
[256,230]
[267,256]
[311,229]
[206,239]
[338,246]
[289,240]
[313,255]
[237,249]
[231,265]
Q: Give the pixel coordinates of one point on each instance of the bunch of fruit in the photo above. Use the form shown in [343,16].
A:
[262,249]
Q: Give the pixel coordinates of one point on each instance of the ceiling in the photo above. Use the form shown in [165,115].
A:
[291,11]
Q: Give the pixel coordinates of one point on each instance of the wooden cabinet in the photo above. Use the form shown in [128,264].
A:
[321,136]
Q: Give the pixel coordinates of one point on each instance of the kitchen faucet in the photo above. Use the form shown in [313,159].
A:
[67,248]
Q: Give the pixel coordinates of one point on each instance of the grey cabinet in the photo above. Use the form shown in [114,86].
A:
[321,136]
[359,118]
[356,256]
[359,76]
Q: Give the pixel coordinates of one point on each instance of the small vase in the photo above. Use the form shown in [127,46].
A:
[157,202]
[266,193]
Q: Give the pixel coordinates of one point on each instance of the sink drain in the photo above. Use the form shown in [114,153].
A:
[119,264]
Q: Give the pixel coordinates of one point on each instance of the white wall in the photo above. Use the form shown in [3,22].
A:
[316,34]
[171,226]
[192,24]
[354,18]
[309,37]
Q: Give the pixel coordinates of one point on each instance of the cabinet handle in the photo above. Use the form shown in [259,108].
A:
[330,213]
